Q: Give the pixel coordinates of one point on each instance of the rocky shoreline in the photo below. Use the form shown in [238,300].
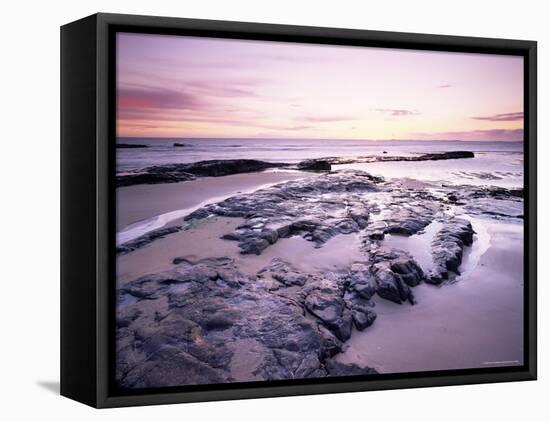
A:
[436,156]
[192,324]
[173,173]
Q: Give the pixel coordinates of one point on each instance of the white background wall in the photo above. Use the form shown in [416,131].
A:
[29,235]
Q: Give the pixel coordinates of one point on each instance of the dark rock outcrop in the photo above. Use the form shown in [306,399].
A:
[193,325]
[315,208]
[407,268]
[492,201]
[122,146]
[447,155]
[284,273]
[173,173]
[339,369]
[217,168]
[329,307]
[146,239]
[394,273]
[407,212]
[315,165]
[363,318]
[448,247]
[406,223]
[361,281]
[390,285]
[151,178]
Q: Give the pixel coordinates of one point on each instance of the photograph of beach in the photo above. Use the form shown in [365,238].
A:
[301,211]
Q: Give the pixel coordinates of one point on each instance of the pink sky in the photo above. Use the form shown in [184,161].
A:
[174,86]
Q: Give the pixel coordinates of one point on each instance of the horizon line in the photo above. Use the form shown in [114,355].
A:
[312,139]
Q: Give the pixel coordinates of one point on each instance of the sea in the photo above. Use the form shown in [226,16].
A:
[495,163]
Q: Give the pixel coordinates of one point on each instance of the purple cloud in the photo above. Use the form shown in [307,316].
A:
[141,97]
[504,117]
[195,102]
[297,127]
[236,88]
[280,127]
[445,86]
[140,117]
[397,112]
[326,119]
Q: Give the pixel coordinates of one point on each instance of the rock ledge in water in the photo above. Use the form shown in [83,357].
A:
[173,173]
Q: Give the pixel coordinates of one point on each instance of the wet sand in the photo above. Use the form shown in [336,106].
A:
[199,242]
[472,323]
[205,241]
[141,202]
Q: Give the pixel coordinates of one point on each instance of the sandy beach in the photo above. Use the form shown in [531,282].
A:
[353,260]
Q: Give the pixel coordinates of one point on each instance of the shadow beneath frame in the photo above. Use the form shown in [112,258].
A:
[51,386]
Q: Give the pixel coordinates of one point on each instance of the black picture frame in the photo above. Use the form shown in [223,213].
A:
[88,200]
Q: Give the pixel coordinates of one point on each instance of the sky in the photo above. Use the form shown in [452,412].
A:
[176,86]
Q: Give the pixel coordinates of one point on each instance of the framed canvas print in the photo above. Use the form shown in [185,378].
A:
[253,210]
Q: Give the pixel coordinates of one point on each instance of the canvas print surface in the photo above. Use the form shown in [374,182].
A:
[299,211]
